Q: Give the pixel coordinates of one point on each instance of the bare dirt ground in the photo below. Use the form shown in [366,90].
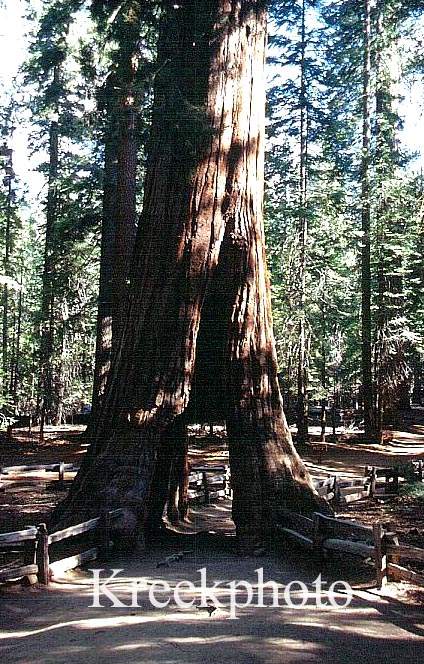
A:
[401,514]
[26,500]
[59,624]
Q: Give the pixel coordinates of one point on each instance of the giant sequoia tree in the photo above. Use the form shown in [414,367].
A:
[198,332]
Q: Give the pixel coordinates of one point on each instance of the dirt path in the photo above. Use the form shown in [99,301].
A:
[59,624]
[349,458]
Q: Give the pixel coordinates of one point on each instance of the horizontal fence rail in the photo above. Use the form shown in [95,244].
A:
[34,544]
[323,533]
[208,482]
[319,534]
[7,472]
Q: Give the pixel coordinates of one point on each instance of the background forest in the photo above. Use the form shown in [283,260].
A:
[344,202]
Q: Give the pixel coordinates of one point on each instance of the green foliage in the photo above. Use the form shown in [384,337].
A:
[412,488]
[333,63]
[85,57]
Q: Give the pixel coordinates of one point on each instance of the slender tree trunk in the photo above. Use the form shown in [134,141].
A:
[125,210]
[17,362]
[60,379]
[302,371]
[366,323]
[200,246]
[324,401]
[12,360]
[389,365]
[119,204]
[47,300]
[6,268]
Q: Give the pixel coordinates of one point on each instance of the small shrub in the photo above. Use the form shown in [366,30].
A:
[407,470]
[413,490]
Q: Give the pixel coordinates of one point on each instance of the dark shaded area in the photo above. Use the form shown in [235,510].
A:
[207,397]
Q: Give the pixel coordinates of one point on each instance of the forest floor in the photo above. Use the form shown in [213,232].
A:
[60,624]
[27,502]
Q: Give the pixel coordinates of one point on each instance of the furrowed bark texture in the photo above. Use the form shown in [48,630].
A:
[199,313]
[104,312]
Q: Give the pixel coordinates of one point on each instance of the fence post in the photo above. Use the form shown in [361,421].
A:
[380,555]
[205,486]
[317,538]
[104,533]
[228,492]
[30,557]
[336,490]
[373,481]
[396,481]
[42,555]
[392,539]
[388,476]
[61,472]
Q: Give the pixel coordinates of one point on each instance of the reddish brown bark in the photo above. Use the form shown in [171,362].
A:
[125,204]
[199,254]
[107,254]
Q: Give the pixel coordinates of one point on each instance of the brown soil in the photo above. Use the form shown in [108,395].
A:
[26,499]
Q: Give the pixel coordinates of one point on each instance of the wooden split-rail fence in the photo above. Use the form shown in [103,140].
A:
[8,473]
[340,490]
[209,482]
[376,482]
[205,482]
[34,544]
[320,534]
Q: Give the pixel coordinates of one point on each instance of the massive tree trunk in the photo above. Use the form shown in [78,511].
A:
[199,327]
[104,311]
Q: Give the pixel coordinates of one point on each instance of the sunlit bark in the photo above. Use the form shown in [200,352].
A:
[199,280]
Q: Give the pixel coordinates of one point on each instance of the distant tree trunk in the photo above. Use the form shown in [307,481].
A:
[119,200]
[6,268]
[418,380]
[392,372]
[47,301]
[60,378]
[366,323]
[302,370]
[199,249]
[324,402]
[15,373]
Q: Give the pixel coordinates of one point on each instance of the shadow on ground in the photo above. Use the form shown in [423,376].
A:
[60,624]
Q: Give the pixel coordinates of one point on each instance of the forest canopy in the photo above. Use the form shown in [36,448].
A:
[343,201]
